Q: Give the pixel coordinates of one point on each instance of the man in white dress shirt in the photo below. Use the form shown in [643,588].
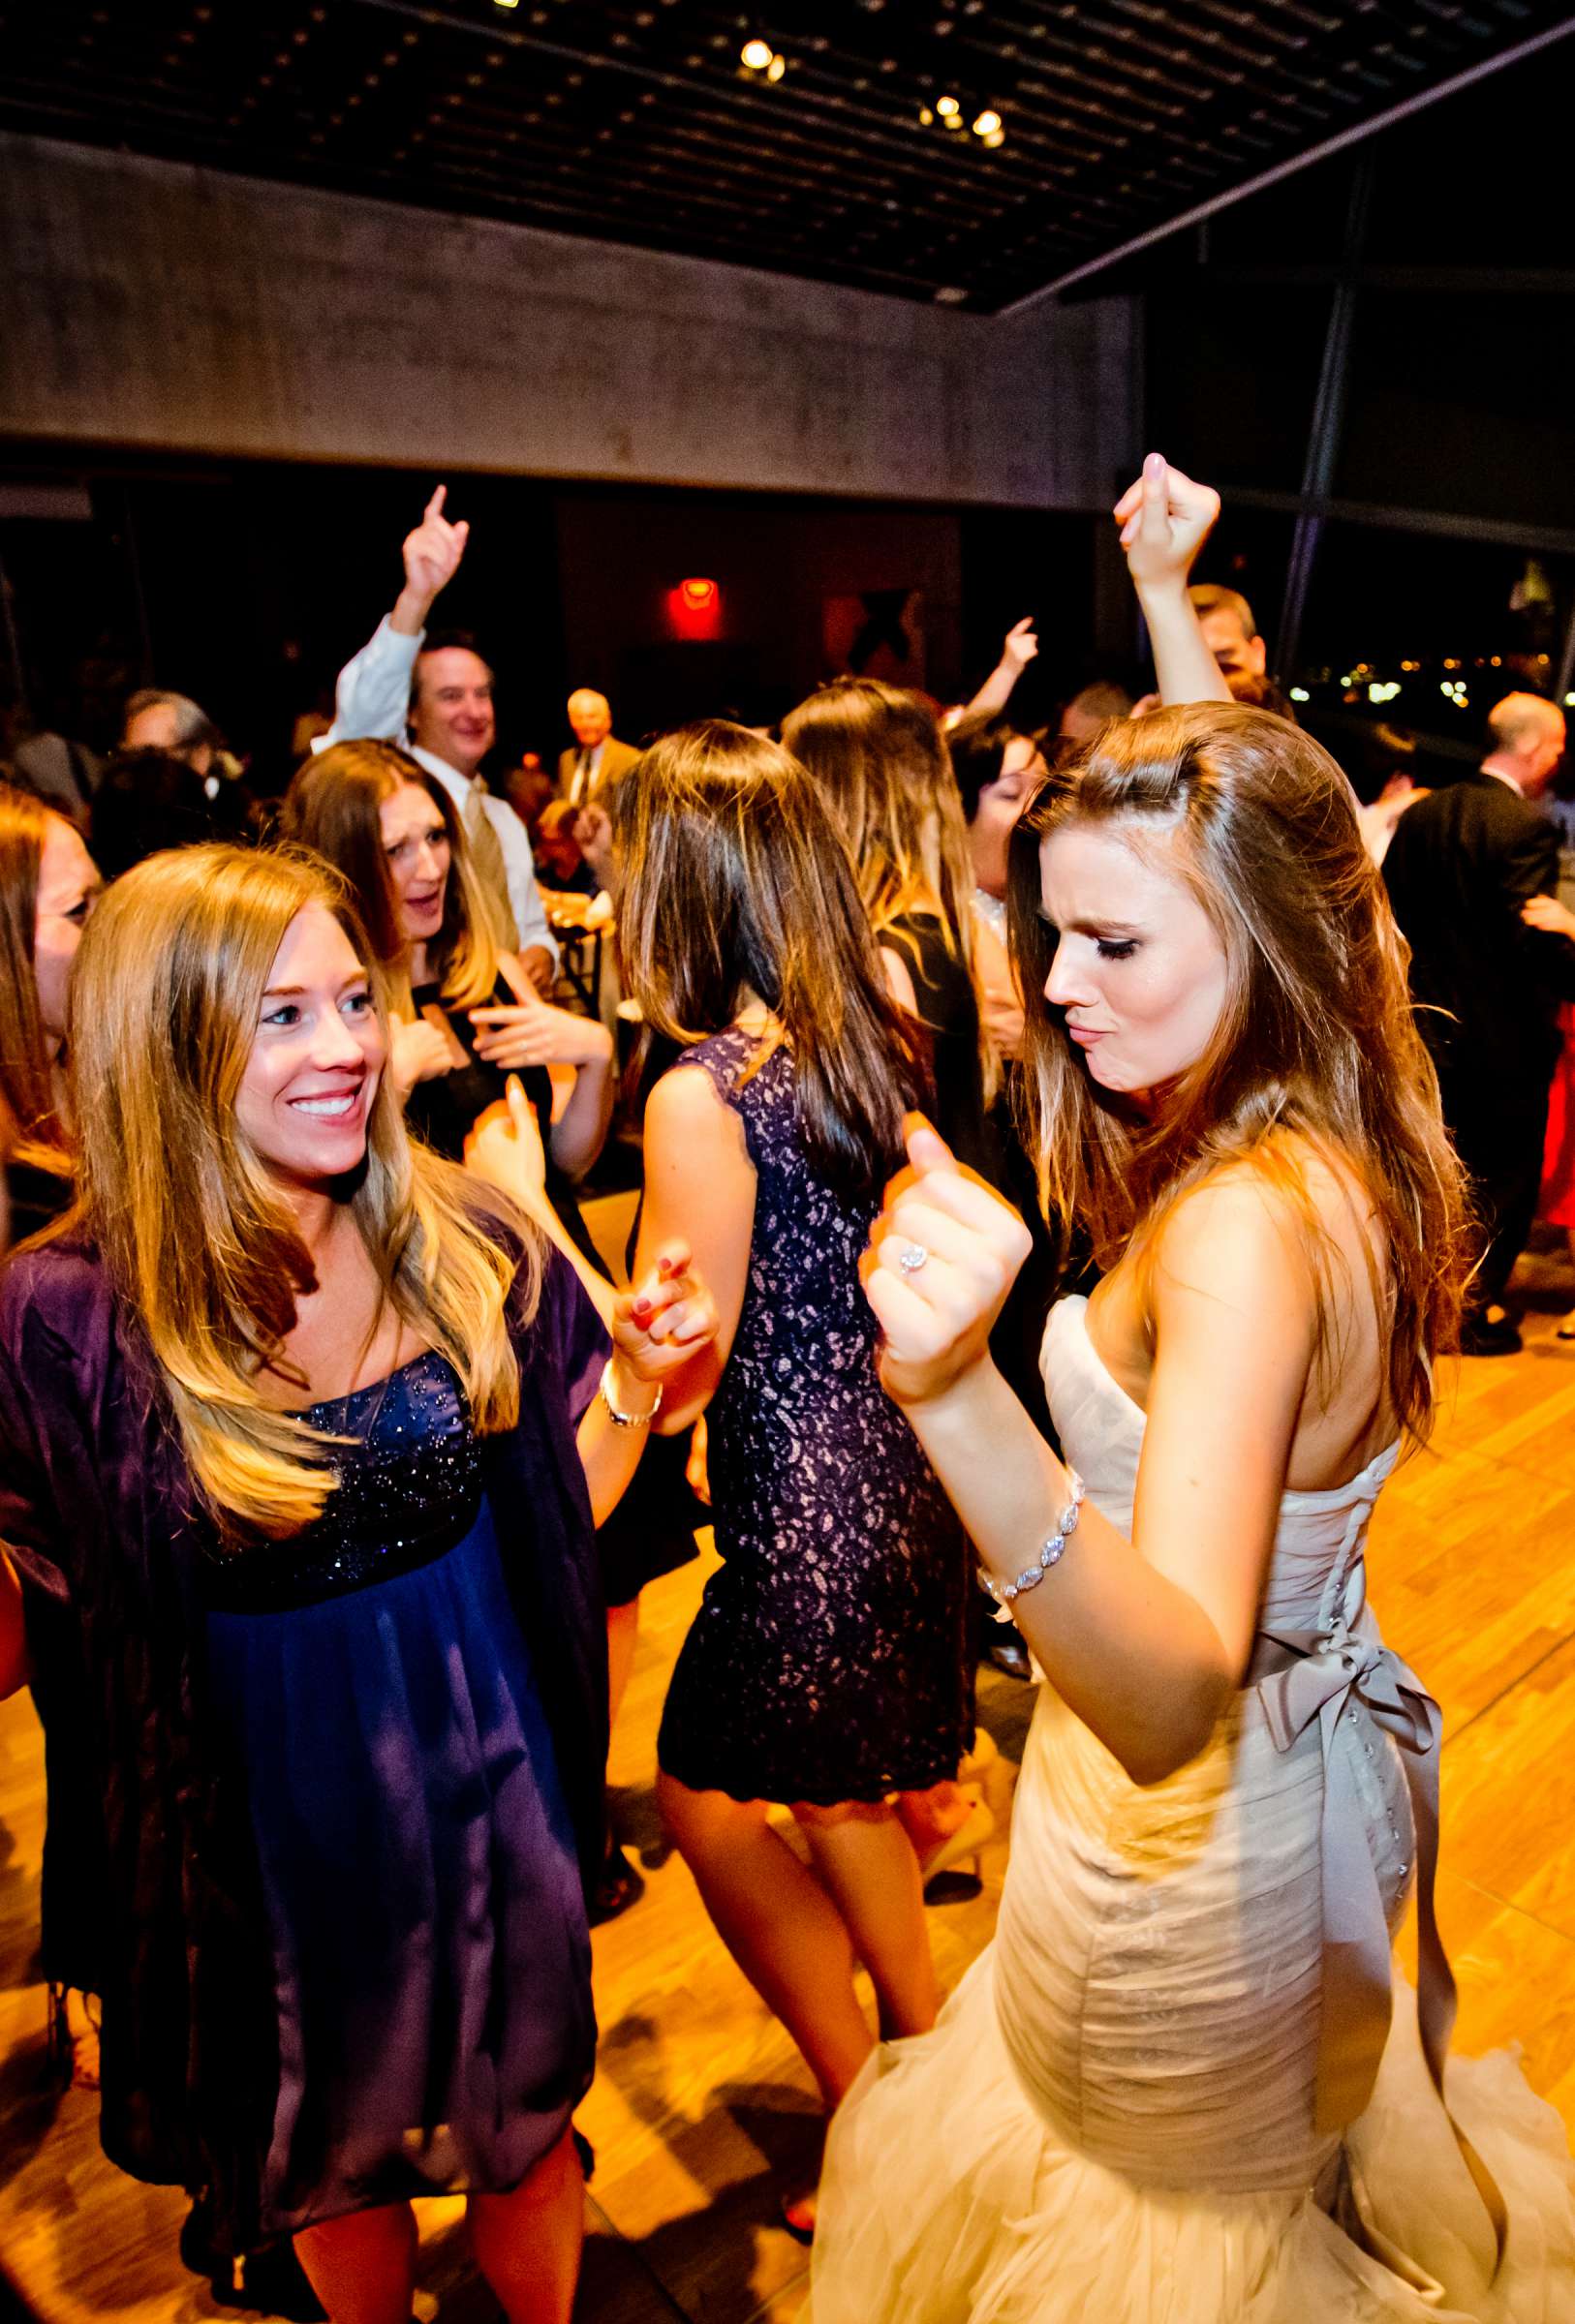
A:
[435,701]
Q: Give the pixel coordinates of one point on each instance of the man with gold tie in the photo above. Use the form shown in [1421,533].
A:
[432,694]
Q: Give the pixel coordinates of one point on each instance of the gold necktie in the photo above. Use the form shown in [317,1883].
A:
[486,854]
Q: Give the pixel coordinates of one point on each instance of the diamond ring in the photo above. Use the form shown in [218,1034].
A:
[912,1257]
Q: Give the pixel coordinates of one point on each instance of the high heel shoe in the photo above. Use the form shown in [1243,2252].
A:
[271,2280]
[960,1846]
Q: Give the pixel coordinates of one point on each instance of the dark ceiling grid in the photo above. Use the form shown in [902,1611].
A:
[631,119]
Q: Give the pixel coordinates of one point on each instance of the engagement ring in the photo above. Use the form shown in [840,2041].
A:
[911,1258]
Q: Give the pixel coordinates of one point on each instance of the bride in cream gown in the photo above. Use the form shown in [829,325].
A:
[1183,2087]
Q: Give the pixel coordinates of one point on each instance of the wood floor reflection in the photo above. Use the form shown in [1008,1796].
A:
[701,2113]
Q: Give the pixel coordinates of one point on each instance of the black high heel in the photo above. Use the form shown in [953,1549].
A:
[271,2279]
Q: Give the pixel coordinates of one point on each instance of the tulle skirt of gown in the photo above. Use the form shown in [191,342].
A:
[1112,2121]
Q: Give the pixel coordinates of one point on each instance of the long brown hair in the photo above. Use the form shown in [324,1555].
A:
[1315,1037]
[880,756]
[190,1228]
[331,805]
[27,1090]
[734,878]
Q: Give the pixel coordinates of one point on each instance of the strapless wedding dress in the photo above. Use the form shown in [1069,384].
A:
[1171,2091]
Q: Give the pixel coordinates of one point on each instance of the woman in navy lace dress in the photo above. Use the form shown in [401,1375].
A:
[288,1433]
[826,1667]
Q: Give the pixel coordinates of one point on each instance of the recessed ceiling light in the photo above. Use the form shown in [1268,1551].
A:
[986,124]
[947,108]
[756,54]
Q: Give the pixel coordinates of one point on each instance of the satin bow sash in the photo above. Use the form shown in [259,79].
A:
[1306,1676]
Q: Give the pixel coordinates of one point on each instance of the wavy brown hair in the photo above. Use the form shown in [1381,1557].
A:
[735,879]
[880,756]
[27,1089]
[331,807]
[193,1231]
[1315,1047]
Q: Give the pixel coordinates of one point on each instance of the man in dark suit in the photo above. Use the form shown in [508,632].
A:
[1461,865]
[598,756]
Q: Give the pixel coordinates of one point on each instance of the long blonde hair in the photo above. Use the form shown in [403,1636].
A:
[27,1090]
[192,1230]
[332,806]
[1315,1038]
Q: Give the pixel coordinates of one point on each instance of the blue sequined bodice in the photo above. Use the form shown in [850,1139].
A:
[410,1488]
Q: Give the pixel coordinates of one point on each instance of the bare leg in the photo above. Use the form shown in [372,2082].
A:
[867,1864]
[778,1924]
[362,2268]
[623,1635]
[527,2243]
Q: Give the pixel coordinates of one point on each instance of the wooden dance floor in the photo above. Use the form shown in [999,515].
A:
[701,2113]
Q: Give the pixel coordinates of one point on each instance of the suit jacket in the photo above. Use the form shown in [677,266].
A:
[1461,863]
[616,759]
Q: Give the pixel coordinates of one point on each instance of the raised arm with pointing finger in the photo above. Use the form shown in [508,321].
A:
[1019,647]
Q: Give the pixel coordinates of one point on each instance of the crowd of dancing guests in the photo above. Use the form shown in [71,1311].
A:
[1049,1216]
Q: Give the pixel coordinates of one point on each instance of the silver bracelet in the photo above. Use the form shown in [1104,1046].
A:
[625,1420]
[1051,1553]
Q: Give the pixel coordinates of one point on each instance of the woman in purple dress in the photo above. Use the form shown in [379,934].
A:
[827,1667]
[288,1427]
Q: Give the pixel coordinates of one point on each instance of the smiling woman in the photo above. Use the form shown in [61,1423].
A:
[313,1074]
[297,1433]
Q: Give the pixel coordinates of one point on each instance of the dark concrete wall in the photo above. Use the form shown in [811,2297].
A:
[151,304]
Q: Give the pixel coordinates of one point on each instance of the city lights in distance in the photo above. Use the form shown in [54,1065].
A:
[1299,693]
[757,55]
[1384,690]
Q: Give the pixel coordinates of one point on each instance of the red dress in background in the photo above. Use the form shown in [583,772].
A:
[1557,1202]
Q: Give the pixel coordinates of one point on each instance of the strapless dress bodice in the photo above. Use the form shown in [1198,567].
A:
[1159,1967]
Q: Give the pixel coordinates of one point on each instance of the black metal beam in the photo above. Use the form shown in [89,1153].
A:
[1326,147]
[1549,539]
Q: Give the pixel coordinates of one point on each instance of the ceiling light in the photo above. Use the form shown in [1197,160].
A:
[986,125]
[926,117]
[776,68]
[756,54]
[506,3]
[952,121]
[947,108]
[994,136]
